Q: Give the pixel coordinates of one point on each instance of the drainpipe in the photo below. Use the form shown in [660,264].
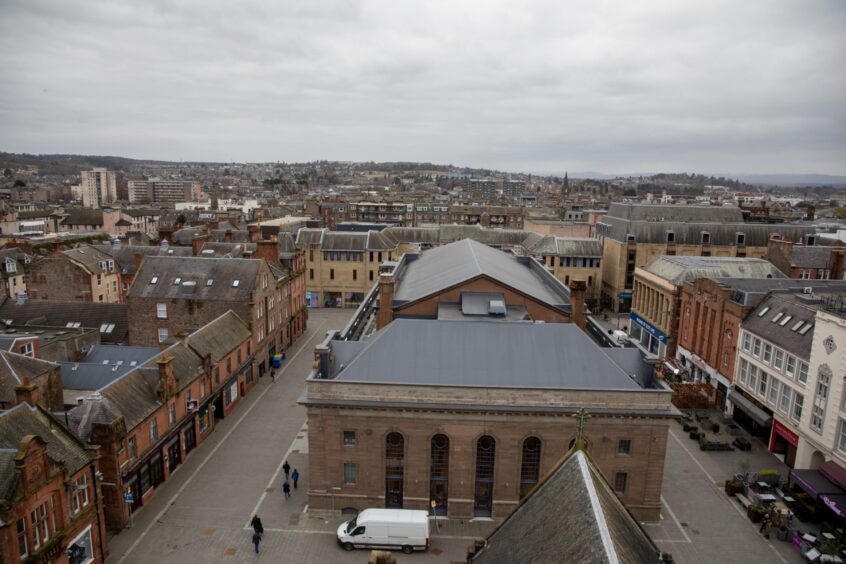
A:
[97,506]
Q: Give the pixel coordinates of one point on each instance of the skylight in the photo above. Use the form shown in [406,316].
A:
[778,316]
[805,329]
[210,281]
[797,325]
[177,280]
[764,311]
[154,279]
[235,283]
[785,320]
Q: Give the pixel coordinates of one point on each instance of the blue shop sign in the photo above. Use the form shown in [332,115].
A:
[657,333]
[627,295]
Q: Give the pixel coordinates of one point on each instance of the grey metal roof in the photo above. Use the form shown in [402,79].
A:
[111,354]
[680,269]
[124,255]
[572,515]
[492,354]
[310,236]
[437,269]
[811,256]
[578,247]
[89,376]
[213,249]
[453,312]
[645,212]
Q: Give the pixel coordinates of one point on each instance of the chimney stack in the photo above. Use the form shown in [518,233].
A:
[578,288]
[26,392]
[837,260]
[197,244]
[386,297]
[166,378]
[267,250]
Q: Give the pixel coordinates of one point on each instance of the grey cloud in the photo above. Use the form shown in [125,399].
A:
[530,86]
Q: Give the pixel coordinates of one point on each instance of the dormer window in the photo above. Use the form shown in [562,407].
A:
[630,237]
[11,266]
[705,238]
[671,237]
[740,238]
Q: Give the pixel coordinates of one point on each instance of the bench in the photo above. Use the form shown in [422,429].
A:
[742,444]
[744,501]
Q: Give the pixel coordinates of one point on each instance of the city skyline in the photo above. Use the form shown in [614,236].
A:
[536,88]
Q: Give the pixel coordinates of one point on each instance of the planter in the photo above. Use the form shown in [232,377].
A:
[733,488]
[694,435]
[754,516]
[783,534]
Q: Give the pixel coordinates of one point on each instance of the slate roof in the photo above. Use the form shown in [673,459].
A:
[104,364]
[185,235]
[223,272]
[310,236]
[811,256]
[14,368]
[58,314]
[573,512]
[435,270]
[23,420]
[88,256]
[213,249]
[788,336]
[648,212]
[680,269]
[344,241]
[494,354]
[83,216]
[238,235]
[218,338]
[124,255]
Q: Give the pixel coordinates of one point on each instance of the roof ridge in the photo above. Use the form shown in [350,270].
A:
[598,513]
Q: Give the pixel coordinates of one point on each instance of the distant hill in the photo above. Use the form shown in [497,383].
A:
[792,180]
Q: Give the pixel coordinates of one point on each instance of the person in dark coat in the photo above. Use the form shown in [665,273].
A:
[256,525]
[286,488]
[256,541]
[287,468]
[295,476]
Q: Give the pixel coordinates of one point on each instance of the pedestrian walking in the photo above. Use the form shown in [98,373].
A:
[256,541]
[256,525]
[286,488]
[287,468]
[295,476]
[765,526]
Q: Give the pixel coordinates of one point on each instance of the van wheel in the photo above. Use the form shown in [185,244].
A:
[348,546]
[407,549]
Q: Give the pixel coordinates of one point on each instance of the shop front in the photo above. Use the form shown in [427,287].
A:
[749,415]
[650,338]
[784,442]
[820,495]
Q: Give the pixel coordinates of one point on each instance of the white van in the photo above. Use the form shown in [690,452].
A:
[404,529]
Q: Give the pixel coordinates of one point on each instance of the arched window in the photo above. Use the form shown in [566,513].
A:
[530,469]
[485,457]
[394,469]
[439,471]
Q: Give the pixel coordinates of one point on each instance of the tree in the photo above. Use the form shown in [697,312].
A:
[7,172]
[19,183]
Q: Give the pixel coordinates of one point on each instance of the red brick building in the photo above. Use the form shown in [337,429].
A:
[52,508]
[24,378]
[82,274]
[806,262]
[173,296]
[147,421]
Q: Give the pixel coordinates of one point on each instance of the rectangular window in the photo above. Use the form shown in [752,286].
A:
[803,372]
[744,370]
[133,448]
[841,435]
[620,479]
[773,398]
[817,418]
[162,334]
[331,274]
[762,386]
[371,276]
[790,370]
[778,361]
[154,430]
[768,353]
[747,342]
[349,473]
[624,446]
[161,311]
[349,438]
[756,348]
[355,274]
[311,274]
[798,402]
[23,547]
[28,350]
[171,414]
[753,377]
[784,402]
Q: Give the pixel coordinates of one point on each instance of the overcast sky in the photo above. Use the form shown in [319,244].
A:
[628,86]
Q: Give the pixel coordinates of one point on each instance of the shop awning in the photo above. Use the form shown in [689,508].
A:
[814,483]
[757,414]
[837,503]
[834,473]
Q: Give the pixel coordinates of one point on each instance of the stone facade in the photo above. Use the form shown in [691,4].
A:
[344,430]
[59,278]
